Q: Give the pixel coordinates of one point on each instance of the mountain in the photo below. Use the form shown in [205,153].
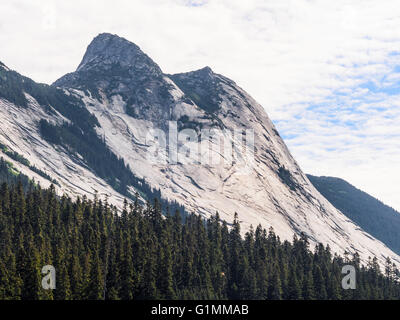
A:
[376,218]
[112,126]
[49,135]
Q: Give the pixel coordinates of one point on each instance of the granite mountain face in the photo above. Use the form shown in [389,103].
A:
[90,132]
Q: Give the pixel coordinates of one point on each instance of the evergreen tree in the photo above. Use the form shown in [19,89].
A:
[274,286]
[293,290]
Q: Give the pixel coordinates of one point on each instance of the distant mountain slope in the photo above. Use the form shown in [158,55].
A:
[378,219]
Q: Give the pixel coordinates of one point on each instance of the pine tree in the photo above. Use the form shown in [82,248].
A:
[308,287]
[95,288]
[165,282]
[319,284]
[274,285]
[31,275]
[293,290]
[5,287]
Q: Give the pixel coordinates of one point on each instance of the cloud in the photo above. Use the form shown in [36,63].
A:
[327,72]
[195,3]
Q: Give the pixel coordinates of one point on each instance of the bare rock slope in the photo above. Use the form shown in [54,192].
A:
[134,103]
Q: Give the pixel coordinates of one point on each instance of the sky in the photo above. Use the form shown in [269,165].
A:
[327,72]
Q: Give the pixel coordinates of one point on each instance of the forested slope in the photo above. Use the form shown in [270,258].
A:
[139,254]
[376,218]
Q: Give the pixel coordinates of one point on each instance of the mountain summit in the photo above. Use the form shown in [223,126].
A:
[113,66]
[107,49]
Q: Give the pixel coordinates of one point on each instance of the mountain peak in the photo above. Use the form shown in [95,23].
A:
[107,49]
[111,62]
[201,86]
[3,66]
[205,70]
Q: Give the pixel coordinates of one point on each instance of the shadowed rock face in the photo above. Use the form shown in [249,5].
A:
[202,87]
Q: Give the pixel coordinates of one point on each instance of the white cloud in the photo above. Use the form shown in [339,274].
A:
[290,55]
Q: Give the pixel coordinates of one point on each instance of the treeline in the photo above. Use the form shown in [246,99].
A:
[14,88]
[21,159]
[105,163]
[11,175]
[141,254]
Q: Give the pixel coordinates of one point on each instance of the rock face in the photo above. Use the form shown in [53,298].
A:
[114,66]
[227,156]
[107,49]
